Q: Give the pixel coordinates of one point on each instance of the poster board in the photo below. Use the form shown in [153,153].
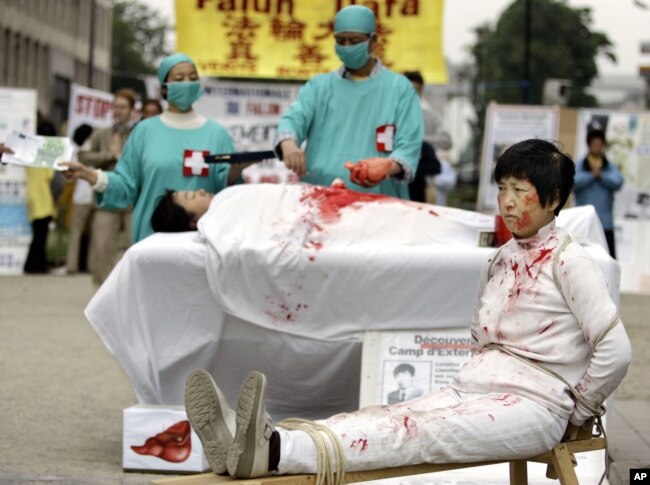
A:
[17,113]
[628,146]
[431,359]
[505,125]
[250,112]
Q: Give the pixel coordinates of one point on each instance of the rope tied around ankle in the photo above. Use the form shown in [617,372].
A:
[330,466]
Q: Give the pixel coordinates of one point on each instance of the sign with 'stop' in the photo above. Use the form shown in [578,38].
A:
[293,39]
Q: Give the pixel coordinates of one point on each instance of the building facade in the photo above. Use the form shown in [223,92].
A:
[46,45]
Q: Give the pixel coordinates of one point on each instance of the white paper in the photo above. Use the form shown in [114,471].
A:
[38,151]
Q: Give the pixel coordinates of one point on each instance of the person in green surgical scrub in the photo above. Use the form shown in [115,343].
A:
[362,123]
[164,151]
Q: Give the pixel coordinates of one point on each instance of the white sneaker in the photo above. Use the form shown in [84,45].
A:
[248,456]
[211,418]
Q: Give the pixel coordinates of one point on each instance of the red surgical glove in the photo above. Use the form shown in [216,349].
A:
[369,172]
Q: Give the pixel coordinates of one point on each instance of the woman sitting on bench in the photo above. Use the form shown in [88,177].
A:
[549,348]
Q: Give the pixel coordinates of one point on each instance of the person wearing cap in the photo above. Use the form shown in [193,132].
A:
[362,123]
[164,152]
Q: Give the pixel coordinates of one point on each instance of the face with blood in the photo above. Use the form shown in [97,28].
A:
[520,207]
[535,179]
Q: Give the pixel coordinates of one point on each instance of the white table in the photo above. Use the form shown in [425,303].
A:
[157,314]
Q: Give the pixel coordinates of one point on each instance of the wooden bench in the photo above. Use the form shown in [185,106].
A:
[560,463]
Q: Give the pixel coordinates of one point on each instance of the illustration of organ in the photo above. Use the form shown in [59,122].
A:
[174,444]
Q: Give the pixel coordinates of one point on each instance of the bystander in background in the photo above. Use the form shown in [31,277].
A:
[446,180]
[150,107]
[40,205]
[81,212]
[431,184]
[104,149]
[596,181]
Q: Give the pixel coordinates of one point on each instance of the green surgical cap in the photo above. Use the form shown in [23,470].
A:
[354,18]
[169,62]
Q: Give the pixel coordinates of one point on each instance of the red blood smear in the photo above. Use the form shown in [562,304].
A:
[542,255]
[526,221]
[330,200]
[173,445]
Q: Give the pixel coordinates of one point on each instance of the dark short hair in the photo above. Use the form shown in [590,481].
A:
[414,76]
[403,367]
[544,165]
[155,102]
[594,134]
[169,216]
[81,133]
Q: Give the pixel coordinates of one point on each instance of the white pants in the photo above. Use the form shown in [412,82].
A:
[442,427]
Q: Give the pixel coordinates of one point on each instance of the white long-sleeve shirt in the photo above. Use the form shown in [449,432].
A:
[575,331]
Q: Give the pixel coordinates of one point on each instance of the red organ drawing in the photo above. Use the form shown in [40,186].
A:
[173,445]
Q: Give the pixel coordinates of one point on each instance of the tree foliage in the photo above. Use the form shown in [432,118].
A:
[562,46]
[139,34]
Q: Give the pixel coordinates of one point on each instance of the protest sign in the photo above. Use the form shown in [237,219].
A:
[17,112]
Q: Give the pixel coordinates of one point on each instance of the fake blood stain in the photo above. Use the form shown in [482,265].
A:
[360,444]
[331,200]
[525,221]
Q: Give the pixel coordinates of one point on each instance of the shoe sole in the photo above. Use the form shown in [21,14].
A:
[202,401]
[252,393]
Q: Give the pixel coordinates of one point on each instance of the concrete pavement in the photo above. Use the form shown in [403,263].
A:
[62,393]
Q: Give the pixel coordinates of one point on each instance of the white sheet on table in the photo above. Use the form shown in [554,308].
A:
[276,261]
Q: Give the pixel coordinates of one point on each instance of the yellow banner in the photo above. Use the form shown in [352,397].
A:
[293,39]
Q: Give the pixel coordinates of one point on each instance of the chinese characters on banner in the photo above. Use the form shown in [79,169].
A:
[293,39]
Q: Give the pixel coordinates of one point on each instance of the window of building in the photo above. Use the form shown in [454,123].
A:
[60,100]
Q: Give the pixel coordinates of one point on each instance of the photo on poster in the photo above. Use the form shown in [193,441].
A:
[405,380]
[400,365]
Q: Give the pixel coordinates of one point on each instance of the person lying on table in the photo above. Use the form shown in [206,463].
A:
[548,348]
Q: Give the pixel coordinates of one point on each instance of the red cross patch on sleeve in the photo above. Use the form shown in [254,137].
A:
[384,137]
[194,164]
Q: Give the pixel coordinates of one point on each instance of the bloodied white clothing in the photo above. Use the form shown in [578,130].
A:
[570,326]
[499,407]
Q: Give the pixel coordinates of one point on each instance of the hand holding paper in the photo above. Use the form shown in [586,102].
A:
[36,151]
[78,171]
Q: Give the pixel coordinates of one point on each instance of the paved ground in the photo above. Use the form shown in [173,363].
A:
[62,393]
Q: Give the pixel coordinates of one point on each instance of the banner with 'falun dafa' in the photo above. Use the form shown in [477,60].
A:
[293,39]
